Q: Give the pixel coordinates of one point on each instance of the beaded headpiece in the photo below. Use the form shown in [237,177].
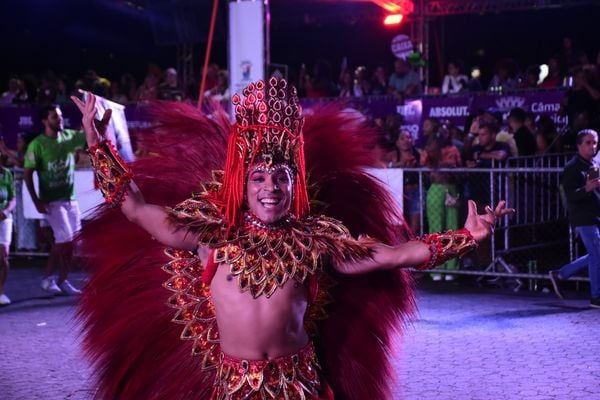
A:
[268,131]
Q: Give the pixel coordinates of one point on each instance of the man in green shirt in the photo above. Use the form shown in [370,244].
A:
[52,156]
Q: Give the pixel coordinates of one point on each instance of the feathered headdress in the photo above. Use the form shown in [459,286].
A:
[268,130]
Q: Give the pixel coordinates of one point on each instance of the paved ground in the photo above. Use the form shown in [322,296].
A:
[465,344]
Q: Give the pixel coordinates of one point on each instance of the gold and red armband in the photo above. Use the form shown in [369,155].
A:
[112,173]
[447,245]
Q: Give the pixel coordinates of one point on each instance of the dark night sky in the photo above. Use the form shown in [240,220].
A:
[70,36]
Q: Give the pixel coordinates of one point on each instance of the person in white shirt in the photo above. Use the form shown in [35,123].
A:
[454,81]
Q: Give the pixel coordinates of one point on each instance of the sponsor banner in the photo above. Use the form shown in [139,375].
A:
[412,111]
[456,109]
[246,44]
[539,103]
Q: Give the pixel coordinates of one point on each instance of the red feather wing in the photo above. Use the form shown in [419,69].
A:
[355,342]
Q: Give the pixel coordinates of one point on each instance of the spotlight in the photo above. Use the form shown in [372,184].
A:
[393,19]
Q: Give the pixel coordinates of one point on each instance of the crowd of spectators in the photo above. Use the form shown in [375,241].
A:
[158,84]
[559,70]
[569,67]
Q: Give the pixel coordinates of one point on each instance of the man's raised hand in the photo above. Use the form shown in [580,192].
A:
[94,128]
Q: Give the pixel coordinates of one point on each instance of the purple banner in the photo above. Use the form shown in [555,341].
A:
[538,103]
[454,108]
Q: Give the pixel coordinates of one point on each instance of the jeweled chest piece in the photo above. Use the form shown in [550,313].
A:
[254,223]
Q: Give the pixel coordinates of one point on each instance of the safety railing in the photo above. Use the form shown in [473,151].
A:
[536,239]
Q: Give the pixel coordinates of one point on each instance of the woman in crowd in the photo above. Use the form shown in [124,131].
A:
[455,81]
[443,198]
[405,155]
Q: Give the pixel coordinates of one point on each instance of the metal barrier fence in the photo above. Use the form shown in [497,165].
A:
[536,239]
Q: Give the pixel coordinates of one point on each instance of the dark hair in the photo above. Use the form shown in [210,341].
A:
[583,133]
[489,125]
[518,114]
[46,110]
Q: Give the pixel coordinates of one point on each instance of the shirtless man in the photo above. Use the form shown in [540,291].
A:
[255,323]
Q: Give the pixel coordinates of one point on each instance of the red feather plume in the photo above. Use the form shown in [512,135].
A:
[128,334]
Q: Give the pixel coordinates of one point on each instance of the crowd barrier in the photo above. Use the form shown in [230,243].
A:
[523,248]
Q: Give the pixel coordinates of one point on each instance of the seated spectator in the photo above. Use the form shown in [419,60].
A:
[379,81]
[16,93]
[404,82]
[488,150]
[554,78]
[455,81]
[523,137]
[170,89]
[505,76]
[361,85]
[532,77]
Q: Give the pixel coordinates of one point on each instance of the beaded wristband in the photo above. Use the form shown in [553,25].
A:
[444,246]
[112,173]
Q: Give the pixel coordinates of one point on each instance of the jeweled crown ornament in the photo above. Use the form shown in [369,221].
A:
[268,131]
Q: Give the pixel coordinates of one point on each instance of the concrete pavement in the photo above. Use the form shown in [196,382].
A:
[464,344]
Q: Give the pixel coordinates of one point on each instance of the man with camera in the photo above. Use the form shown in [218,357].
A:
[581,184]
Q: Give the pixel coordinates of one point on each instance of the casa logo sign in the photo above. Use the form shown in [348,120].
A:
[402,46]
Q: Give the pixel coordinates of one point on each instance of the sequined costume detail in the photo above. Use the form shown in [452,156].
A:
[112,173]
[444,246]
[265,258]
[195,308]
[293,377]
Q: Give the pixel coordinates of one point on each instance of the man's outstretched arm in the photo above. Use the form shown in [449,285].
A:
[431,250]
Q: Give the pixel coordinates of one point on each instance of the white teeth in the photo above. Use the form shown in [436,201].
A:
[269,201]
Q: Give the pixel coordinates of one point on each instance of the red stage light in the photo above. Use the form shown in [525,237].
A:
[393,19]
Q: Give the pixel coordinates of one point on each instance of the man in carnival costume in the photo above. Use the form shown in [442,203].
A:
[264,298]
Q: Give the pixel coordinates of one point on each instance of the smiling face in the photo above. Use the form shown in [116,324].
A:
[269,192]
